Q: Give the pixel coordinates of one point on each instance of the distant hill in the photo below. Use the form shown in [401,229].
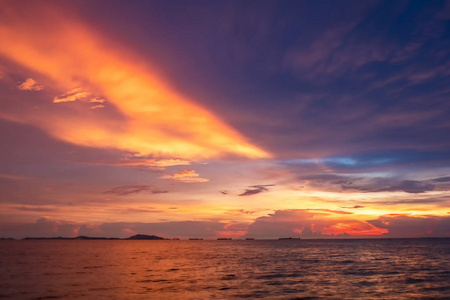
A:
[134,237]
[144,237]
[68,238]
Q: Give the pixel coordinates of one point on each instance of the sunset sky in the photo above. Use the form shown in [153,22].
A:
[264,119]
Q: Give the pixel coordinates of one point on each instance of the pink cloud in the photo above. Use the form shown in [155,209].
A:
[187,176]
[30,85]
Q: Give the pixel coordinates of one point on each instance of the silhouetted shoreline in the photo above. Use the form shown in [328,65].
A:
[154,237]
[134,237]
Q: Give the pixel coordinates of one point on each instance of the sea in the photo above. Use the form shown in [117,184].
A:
[235,269]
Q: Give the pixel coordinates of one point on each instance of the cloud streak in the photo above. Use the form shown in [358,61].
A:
[256,189]
[133,189]
[160,121]
[187,176]
[79,95]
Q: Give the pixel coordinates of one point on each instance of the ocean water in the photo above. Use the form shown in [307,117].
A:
[292,269]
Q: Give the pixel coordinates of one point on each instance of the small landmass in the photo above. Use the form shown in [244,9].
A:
[144,237]
[82,237]
[66,238]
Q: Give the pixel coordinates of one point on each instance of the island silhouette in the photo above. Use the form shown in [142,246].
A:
[82,237]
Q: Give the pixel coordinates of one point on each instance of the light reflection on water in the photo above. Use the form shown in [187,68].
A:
[292,269]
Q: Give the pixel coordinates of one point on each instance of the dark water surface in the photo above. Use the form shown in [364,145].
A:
[292,269]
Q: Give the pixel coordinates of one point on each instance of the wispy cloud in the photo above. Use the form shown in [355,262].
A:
[256,189]
[133,189]
[366,183]
[333,211]
[386,185]
[78,94]
[433,200]
[143,163]
[97,100]
[30,85]
[71,96]
[187,176]
[353,207]
[97,106]
[240,212]
[35,208]
[12,176]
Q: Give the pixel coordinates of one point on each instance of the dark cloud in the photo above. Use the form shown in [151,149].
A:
[386,185]
[133,189]
[240,212]
[369,184]
[353,207]
[159,192]
[136,210]
[411,186]
[414,226]
[35,208]
[442,179]
[428,200]
[44,227]
[256,189]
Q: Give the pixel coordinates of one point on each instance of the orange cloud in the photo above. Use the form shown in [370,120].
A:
[146,163]
[354,228]
[97,100]
[71,96]
[97,106]
[188,176]
[79,95]
[155,119]
[30,85]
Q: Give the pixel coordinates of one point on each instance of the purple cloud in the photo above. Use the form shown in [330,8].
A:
[133,189]
[256,189]
[399,226]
